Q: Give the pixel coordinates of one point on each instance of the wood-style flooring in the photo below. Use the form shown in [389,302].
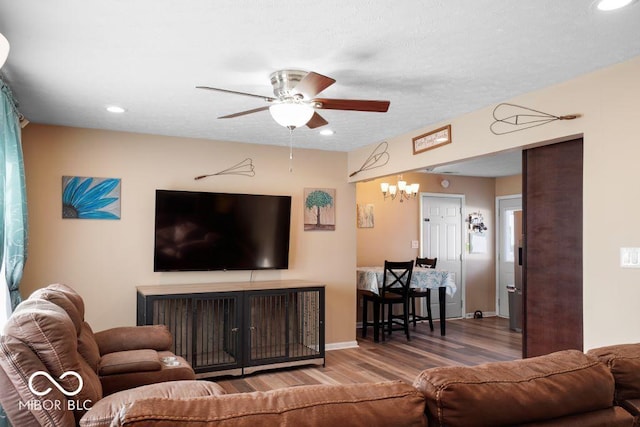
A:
[468,342]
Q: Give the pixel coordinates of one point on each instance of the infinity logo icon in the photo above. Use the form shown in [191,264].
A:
[55,383]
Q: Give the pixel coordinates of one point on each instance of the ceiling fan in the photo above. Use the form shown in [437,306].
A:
[294,103]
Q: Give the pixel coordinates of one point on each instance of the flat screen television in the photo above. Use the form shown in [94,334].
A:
[202,231]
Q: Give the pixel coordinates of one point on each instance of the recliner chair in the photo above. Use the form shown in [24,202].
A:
[53,368]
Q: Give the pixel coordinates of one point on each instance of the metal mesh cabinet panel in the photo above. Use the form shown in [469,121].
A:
[284,326]
[216,332]
[306,325]
[175,313]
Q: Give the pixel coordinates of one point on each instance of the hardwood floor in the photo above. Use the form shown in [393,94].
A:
[468,342]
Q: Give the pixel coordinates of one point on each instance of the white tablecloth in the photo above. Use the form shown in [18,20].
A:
[370,279]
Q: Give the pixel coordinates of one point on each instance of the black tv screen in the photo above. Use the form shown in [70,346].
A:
[200,231]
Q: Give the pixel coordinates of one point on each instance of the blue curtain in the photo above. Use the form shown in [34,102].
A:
[13,195]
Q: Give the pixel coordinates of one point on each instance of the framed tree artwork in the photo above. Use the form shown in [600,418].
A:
[319,209]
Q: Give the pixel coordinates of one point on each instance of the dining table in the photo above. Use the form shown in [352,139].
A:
[372,278]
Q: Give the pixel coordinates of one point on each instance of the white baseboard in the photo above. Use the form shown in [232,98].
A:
[341,345]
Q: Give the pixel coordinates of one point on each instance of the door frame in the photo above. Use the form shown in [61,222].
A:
[497,245]
[463,247]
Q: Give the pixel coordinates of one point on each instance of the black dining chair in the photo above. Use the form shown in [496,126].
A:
[394,291]
[422,293]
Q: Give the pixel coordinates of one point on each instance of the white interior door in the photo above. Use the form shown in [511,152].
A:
[442,238]
[506,206]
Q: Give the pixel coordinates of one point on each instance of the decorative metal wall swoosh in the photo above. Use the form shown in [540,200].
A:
[244,168]
[509,118]
[378,158]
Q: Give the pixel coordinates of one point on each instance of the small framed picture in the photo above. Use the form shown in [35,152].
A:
[90,198]
[432,139]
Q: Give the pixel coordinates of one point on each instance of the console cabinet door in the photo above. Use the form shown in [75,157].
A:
[216,332]
[206,328]
[284,326]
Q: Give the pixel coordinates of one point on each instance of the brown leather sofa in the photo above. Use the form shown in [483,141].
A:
[566,388]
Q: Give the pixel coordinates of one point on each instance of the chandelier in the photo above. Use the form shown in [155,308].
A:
[401,190]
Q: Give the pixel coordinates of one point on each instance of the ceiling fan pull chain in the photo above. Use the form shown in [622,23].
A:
[291,149]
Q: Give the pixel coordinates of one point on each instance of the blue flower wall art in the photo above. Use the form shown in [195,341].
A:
[90,198]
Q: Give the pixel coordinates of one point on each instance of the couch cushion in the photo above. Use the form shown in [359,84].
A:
[123,362]
[103,412]
[49,332]
[624,362]
[155,337]
[614,416]
[17,364]
[380,404]
[60,299]
[516,392]
[70,293]
[117,382]
[87,346]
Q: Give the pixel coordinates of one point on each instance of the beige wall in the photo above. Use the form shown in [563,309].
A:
[106,260]
[509,185]
[608,102]
[397,224]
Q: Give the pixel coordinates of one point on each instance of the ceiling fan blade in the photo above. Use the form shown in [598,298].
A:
[312,84]
[352,104]
[316,121]
[266,98]
[244,113]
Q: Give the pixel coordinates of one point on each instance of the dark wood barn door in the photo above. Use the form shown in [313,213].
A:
[552,288]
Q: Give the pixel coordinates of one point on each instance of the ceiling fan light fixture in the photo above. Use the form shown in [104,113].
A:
[116,109]
[607,5]
[291,114]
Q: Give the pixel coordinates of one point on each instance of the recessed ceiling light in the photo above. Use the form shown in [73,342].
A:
[607,5]
[115,109]
[326,132]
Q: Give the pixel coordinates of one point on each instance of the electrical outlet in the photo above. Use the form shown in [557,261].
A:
[630,257]
[415,244]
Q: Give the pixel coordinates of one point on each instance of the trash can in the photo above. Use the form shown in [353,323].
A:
[515,308]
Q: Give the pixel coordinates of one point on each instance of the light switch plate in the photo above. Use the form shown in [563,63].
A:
[630,257]
[415,244]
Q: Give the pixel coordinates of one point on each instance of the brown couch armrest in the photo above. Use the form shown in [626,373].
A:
[372,405]
[124,362]
[624,362]
[155,337]
[517,392]
[105,410]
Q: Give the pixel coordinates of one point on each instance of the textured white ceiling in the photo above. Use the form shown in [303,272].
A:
[434,60]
